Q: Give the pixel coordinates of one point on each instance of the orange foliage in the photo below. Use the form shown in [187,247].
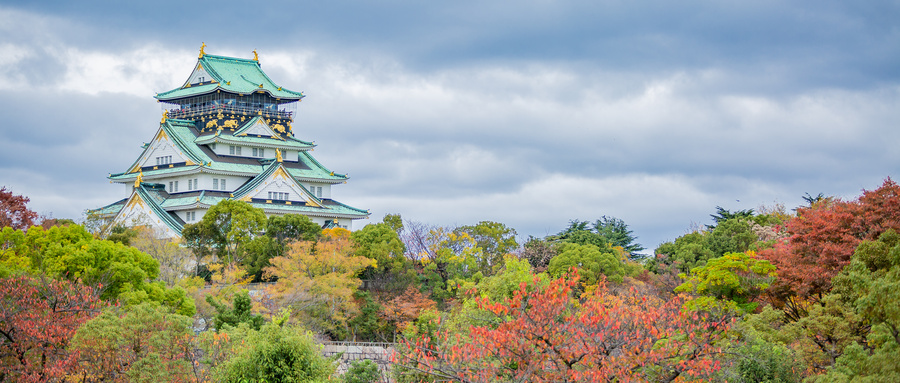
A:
[547,336]
[406,307]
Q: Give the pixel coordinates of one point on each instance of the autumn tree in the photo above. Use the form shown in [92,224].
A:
[143,343]
[13,212]
[538,252]
[38,317]
[173,258]
[544,336]
[822,240]
[279,232]
[319,278]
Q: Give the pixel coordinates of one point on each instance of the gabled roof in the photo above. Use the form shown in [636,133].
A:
[147,198]
[274,169]
[230,74]
[183,134]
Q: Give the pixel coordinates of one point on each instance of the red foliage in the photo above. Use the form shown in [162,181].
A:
[405,308]
[13,212]
[37,320]
[545,335]
[824,236]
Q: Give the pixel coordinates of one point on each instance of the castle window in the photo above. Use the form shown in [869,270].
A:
[318,192]
[231,149]
[215,184]
[171,189]
[223,180]
[176,186]
[212,146]
[238,150]
[262,152]
[190,184]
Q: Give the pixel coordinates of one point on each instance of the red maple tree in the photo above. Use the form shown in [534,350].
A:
[13,212]
[822,240]
[546,335]
[38,317]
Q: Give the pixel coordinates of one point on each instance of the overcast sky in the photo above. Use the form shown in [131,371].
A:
[529,113]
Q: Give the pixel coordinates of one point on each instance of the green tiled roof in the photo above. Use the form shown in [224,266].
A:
[153,199]
[235,75]
[251,140]
[182,133]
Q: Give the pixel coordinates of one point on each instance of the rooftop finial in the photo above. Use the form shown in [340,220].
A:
[202,48]
[255,56]
[139,179]
[278,155]
[165,117]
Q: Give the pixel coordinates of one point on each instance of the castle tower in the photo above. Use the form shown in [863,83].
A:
[227,133]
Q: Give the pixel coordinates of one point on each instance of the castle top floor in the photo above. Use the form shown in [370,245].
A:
[229,85]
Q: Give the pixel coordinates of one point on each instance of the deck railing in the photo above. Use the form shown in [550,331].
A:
[231,109]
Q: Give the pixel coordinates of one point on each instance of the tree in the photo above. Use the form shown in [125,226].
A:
[70,252]
[173,258]
[362,371]
[822,240]
[143,343]
[38,317]
[723,215]
[616,233]
[381,244]
[394,221]
[579,232]
[240,312]
[735,280]
[224,230]
[319,278]
[276,353]
[538,253]
[494,239]
[13,212]
[544,337]
[593,264]
[280,231]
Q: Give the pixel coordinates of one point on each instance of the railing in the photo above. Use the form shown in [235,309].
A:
[245,110]
[358,344]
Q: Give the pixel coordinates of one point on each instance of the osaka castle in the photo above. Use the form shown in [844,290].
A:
[226,133]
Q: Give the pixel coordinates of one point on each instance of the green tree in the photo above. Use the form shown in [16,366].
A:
[143,343]
[723,215]
[239,312]
[579,232]
[616,233]
[225,230]
[733,281]
[870,284]
[592,263]
[394,221]
[495,240]
[275,353]
[362,371]
[70,252]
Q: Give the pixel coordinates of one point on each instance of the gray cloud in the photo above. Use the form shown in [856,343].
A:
[530,115]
